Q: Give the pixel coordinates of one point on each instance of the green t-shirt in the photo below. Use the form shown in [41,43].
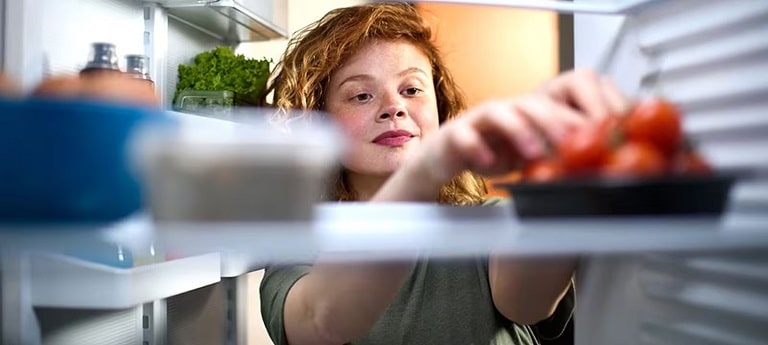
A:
[443,302]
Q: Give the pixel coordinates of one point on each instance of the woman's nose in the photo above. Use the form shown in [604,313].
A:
[393,107]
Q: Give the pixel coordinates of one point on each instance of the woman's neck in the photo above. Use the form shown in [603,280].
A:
[365,186]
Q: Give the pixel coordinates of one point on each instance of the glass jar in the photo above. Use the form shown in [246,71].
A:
[102,59]
[137,66]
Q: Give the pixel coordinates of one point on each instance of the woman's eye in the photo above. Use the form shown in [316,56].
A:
[362,97]
[412,91]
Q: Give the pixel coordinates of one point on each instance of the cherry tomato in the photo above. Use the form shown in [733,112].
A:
[545,170]
[583,151]
[657,122]
[691,163]
[611,128]
[634,160]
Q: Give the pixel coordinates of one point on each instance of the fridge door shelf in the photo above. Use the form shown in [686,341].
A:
[64,282]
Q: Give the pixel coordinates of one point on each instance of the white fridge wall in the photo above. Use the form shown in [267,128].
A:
[2,34]
[23,35]
[600,44]
[710,57]
[66,42]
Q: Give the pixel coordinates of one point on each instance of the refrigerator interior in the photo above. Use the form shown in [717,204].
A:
[708,56]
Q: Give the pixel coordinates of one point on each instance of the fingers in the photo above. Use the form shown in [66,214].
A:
[554,119]
[502,123]
[593,95]
[582,90]
[510,132]
[471,149]
[496,137]
[524,124]
[489,139]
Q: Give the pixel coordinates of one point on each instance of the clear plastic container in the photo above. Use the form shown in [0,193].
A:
[210,171]
[218,104]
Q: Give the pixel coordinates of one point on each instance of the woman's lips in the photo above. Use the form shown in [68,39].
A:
[393,138]
[394,141]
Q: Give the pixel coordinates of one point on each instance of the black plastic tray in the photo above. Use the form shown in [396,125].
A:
[684,195]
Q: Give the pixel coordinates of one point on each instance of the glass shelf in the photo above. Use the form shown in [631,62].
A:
[229,21]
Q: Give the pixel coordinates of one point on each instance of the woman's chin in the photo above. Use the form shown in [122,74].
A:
[380,168]
[375,163]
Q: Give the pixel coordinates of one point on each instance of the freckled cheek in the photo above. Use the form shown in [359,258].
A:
[352,127]
[429,125]
[355,132]
[427,119]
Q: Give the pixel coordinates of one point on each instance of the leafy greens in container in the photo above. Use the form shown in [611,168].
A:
[232,79]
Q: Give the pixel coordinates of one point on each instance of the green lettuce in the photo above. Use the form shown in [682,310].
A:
[222,69]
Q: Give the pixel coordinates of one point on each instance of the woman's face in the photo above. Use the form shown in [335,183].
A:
[384,99]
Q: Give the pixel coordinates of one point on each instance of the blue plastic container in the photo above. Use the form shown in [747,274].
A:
[66,161]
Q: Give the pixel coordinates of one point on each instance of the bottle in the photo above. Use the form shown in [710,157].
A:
[137,66]
[102,59]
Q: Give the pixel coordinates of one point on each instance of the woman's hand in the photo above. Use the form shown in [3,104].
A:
[593,95]
[500,136]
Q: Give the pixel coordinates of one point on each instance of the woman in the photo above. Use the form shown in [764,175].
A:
[374,69]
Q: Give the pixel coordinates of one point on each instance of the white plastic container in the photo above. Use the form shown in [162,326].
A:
[214,170]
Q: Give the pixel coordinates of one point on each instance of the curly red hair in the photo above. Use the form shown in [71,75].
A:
[300,80]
